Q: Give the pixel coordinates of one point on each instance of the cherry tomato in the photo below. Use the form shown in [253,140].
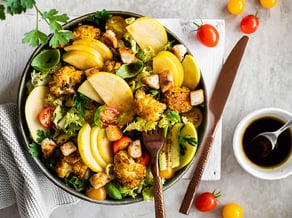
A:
[208,35]
[268,3]
[236,6]
[249,24]
[207,201]
[145,158]
[166,174]
[232,210]
[97,194]
[109,115]
[121,144]
[46,115]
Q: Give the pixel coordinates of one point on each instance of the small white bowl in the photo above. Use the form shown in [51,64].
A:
[269,173]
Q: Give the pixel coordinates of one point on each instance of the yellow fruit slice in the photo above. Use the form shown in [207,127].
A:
[82,59]
[192,73]
[83,140]
[104,146]
[148,33]
[99,46]
[162,62]
[94,146]
[188,130]
[33,106]
[113,90]
[86,89]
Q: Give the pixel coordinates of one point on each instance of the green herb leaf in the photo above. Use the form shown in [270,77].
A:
[34,149]
[35,38]
[97,120]
[100,18]
[18,6]
[79,102]
[2,12]
[76,183]
[55,20]
[60,38]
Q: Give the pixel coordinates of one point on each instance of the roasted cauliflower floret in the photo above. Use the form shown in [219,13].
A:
[63,82]
[178,99]
[127,171]
[147,107]
[86,32]
[111,66]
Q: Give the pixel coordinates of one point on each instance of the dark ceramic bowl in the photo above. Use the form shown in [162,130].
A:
[23,93]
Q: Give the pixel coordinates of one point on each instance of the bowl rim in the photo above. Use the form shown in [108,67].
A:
[277,172]
[22,95]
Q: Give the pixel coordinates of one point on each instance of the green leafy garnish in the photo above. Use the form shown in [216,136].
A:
[97,120]
[79,102]
[76,183]
[100,18]
[2,12]
[130,70]
[34,149]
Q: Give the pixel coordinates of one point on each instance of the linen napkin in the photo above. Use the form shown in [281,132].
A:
[21,181]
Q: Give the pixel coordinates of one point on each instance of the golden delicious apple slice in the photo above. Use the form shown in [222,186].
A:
[188,130]
[148,33]
[33,106]
[113,90]
[82,59]
[83,140]
[192,73]
[99,46]
[162,62]
[86,89]
[94,146]
[104,146]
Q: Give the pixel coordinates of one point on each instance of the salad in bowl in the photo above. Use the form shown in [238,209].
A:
[84,105]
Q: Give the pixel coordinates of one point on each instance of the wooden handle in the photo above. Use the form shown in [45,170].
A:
[197,174]
[157,190]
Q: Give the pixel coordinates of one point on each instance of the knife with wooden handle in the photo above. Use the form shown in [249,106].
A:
[216,106]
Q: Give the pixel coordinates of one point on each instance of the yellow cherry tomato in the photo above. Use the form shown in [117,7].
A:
[236,6]
[166,174]
[268,3]
[96,194]
[232,210]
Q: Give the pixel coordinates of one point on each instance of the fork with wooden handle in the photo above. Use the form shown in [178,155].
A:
[153,141]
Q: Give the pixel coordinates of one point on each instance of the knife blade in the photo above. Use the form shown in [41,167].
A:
[216,106]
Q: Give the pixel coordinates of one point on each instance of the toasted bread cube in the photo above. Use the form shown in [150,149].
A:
[99,179]
[68,148]
[63,169]
[48,147]
[80,169]
[135,149]
[165,80]
[179,51]
[109,37]
[197,97]
[127,55]
[113,132]
[151,81]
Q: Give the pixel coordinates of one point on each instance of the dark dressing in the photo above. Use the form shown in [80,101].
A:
[282,151]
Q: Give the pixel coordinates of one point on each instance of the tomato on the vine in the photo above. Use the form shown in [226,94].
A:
[145,158]
[249,24]
[232,210]
[207,34]
[207,201]
[268,3]
[121,144]
[236,6]
[46,115]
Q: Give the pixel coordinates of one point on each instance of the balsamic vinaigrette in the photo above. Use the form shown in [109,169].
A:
[282,150]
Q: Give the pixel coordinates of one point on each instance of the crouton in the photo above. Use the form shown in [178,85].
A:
[113,132]
[179,51]
[109,38]
[197,97]
[80,169]
[151,81]
[135,149]
[165,80]
[63,169]
[48,146]
[99,179]
[127,55]
[68,148]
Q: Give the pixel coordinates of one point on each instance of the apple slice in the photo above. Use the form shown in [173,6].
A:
[104,146]
[83,140]
[94,146]
[33,106]
[113,90]
[148,33]
[188,130]
[99,46]
[82,59]
[192,73]
[86,89]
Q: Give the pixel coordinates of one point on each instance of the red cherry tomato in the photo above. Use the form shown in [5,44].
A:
[249,24]
[145,158]
[121,144]
[109,115]
[208,35]
[45,116]
[207,201]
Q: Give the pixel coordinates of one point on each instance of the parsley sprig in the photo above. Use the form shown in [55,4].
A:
[52,17]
